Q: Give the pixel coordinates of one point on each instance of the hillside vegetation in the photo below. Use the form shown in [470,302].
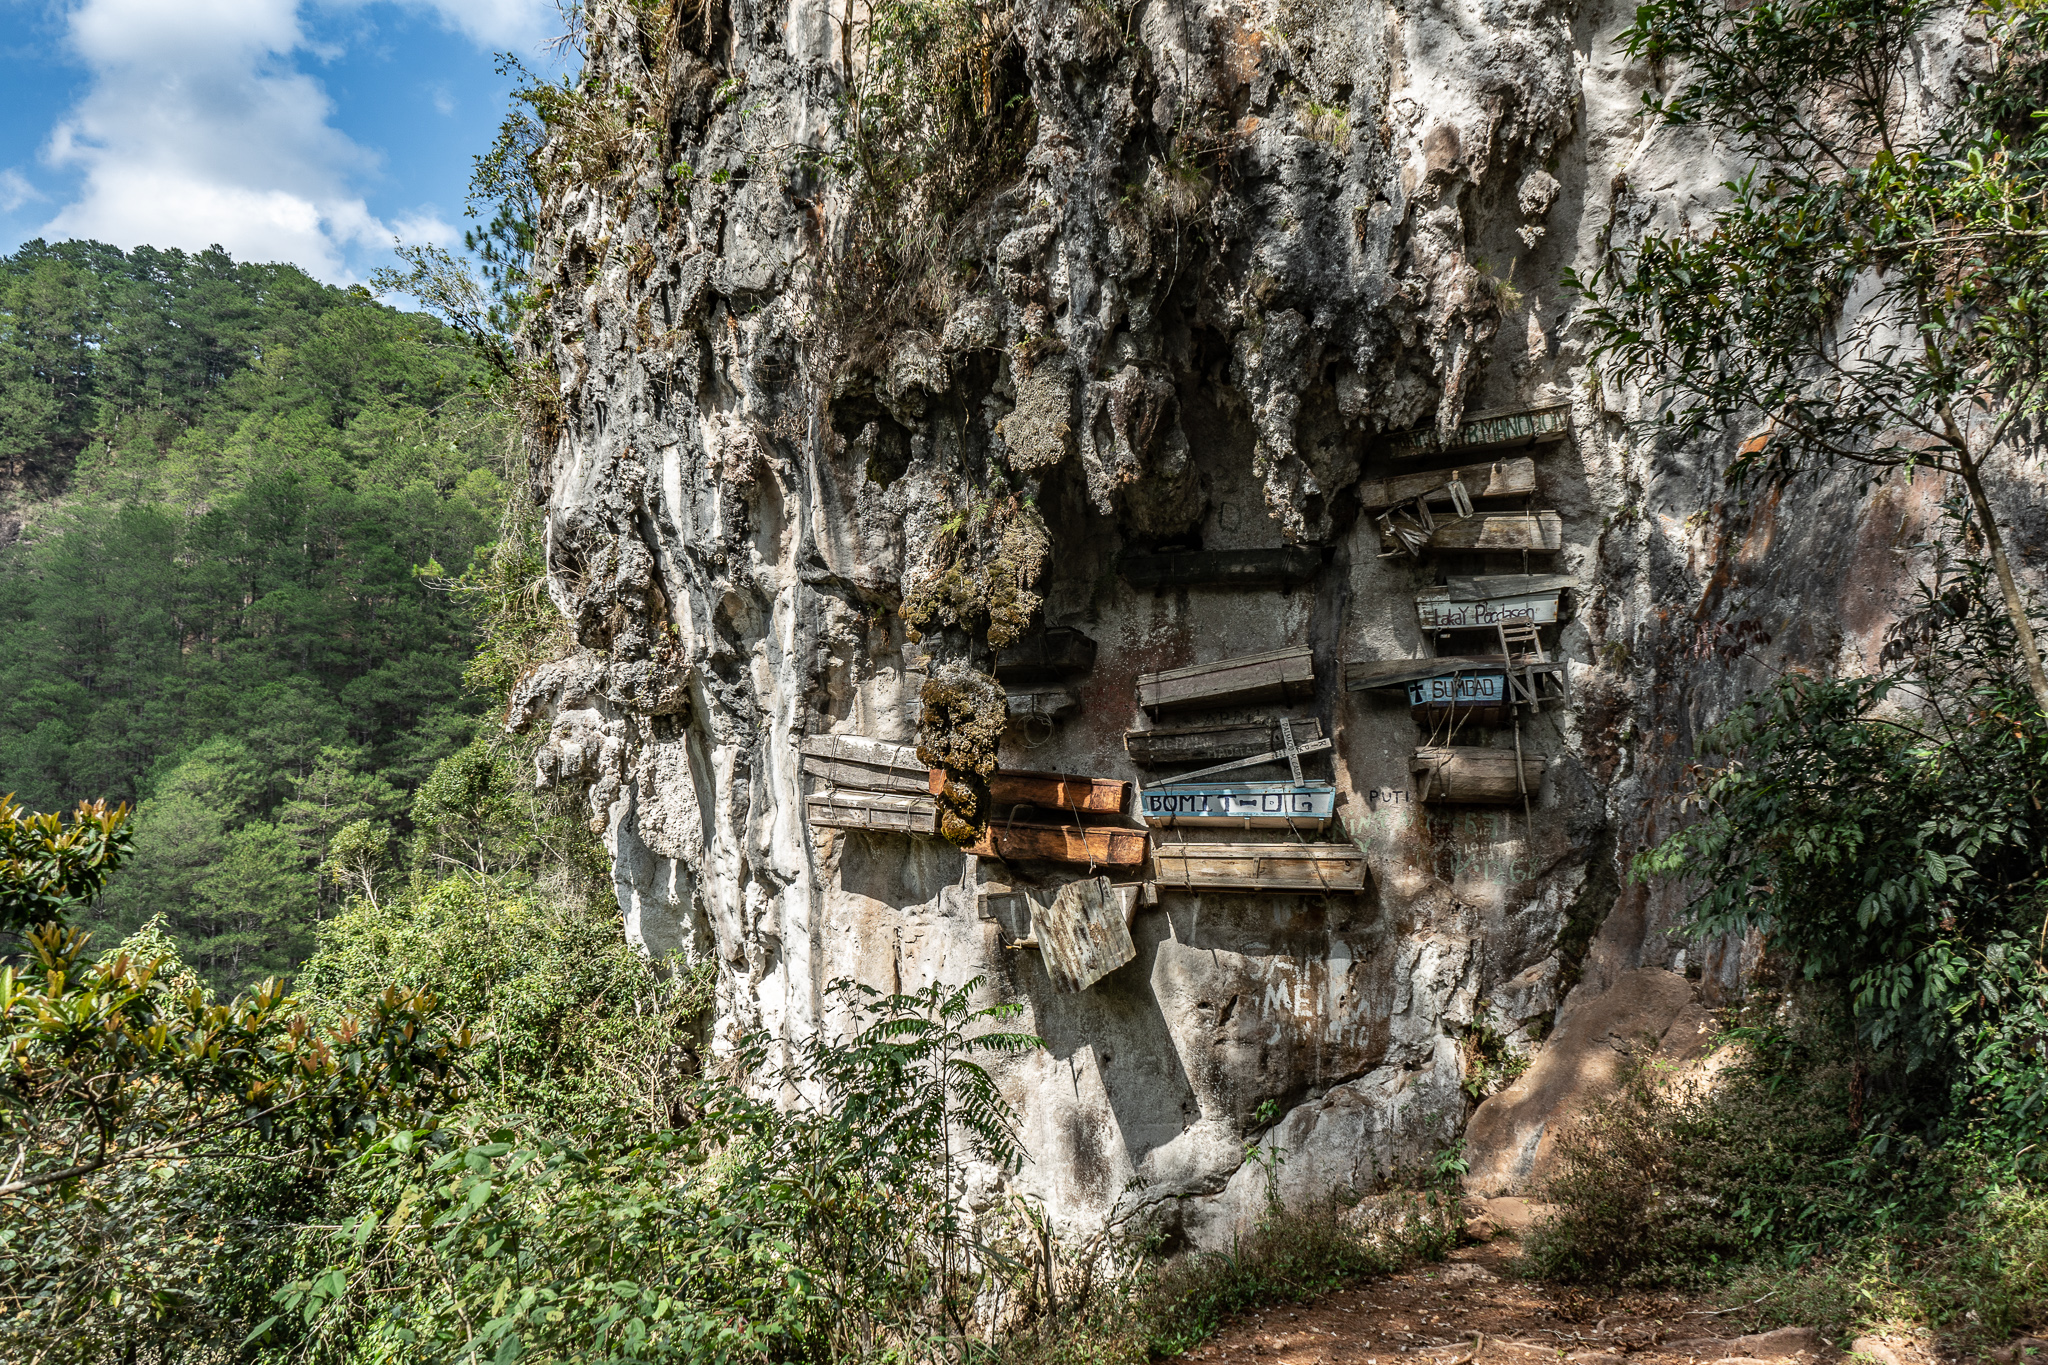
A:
[225,483]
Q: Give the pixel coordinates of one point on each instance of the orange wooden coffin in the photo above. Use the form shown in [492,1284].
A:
[1099,845]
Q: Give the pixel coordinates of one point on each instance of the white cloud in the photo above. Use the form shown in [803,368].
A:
[15,190]
[197,129]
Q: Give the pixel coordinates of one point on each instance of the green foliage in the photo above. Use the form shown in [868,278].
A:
[51,867]
[1161,1308]
[935,112]
[1886,834]
[1759,1183]
[827,1229]
[118,1080]
[256,463]
[1877,288]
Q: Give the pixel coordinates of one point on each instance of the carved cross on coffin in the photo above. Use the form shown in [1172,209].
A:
[1289,749]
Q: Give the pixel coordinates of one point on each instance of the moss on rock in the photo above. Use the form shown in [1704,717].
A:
[989,565]
[964,715]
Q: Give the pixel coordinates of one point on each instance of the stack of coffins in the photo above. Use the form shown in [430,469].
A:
[1032,670]
[1057,817]
[1206,799]
[1502,664]
[868,784]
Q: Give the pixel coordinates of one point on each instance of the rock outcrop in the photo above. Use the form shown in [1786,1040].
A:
[1228,249]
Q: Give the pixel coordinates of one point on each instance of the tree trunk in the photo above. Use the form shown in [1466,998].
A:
[2015,606]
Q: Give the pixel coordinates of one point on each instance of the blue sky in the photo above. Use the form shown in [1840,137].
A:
[309,131]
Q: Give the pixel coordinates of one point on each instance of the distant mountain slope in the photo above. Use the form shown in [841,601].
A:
[220,480]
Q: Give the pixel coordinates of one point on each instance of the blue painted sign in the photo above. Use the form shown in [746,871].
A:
[1256,805]
[1459,689]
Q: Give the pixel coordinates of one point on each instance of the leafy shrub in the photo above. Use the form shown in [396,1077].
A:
[829,1229]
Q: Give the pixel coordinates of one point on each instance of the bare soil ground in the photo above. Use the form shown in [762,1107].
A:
[1466,1311]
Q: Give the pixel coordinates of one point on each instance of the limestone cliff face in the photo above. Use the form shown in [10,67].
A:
[1242,244]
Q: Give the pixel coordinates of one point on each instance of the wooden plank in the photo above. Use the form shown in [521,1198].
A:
[1259,867]
[1509,478]
[1480,776]
[1361,675]
[1059,791]
[1083,934]
[1481,587]
[1535,531]
[880,812]
[1277,676]
[1246,805]
[1439,610]
[1047,655]
[1500,427]
[1100,845]
[1208,743]
[865,764]
[1221,568]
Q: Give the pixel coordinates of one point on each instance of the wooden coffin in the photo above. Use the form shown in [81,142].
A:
[1098,845]
[1480,696]
[1481,603]
[1046,655]
[1245,805]
[1536,531]
[1061,791]
[881,812]
[1480,776]
[1222,568]
[1040,703]
[1259,867]
[1500,427]
[866,764]
[1394,675]
[1173,744]
[1512,478]
[1283,675]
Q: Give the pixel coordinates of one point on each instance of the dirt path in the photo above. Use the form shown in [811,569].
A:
[1464,1312]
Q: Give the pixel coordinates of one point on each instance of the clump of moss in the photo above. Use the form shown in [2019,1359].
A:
[964,715]
[991,556]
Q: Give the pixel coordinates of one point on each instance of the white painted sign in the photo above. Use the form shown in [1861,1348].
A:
[1442,613]
[1459,689]
[1257,804]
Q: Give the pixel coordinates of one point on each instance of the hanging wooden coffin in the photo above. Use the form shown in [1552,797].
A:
[1245,805]
[1283,675]
[1259,867]
[1478,776]
[881,812]
[1168,745]
[1059,791]
[1501,427]
[1100,845]
[1047,655]
[1511,478]
[1480,697]
[1481,603]
[1222,568]
[868,764]
[1534,531]
[1042,703]
[1394,675]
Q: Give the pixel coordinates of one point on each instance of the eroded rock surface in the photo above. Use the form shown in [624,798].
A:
[1242,243]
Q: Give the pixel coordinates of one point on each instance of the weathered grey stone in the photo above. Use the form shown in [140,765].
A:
[734,508]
